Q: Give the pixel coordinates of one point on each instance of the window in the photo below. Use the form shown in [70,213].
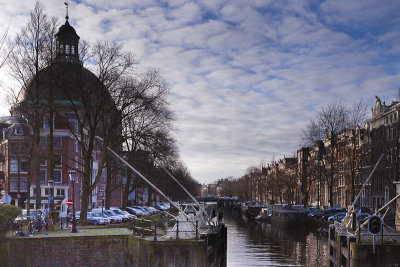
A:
[57,160]
[18,130]
[76,163]
[14,184]
[46,191]
[61,48]
[46,122]
[395,116]
[60,192]
[24,185]
[42,176]
[72,49]
[57,176]
[14,166]
[67,49]
[76,146]
[43,142]
[43,162]
[57,142]
[24,165]
[74,125]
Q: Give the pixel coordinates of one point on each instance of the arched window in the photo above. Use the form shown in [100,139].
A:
[72,49]
[67,49]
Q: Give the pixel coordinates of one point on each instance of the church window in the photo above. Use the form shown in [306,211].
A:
[72,49]
[61,48]
[67,49]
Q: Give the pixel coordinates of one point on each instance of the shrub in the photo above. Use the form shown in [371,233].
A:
[54,215]
[8,213]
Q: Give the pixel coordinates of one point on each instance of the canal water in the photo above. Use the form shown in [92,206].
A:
[262,244]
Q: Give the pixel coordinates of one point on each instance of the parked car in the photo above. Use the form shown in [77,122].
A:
[143,210]
[125,217]
[153,210]
[328,214]
[134,211]
[114,217]
[161,207]
[338,217]
[97,218]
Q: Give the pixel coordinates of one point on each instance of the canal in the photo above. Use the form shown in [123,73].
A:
[262,244]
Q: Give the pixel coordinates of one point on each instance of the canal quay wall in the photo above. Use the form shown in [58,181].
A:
[114,250]
[345,250]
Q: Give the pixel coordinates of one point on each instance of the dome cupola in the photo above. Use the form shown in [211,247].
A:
[67,43]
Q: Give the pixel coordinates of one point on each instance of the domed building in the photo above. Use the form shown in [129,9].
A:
[66,90]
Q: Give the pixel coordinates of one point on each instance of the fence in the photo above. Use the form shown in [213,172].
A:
[143,228]
[361,234]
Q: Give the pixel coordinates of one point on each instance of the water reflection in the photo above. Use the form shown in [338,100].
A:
[262,244]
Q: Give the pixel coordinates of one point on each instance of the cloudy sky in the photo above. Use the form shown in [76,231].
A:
[245,76]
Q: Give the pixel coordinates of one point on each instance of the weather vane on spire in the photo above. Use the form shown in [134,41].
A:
[66,3]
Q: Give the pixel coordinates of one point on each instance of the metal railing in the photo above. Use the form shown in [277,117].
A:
[361,234]
[156,228]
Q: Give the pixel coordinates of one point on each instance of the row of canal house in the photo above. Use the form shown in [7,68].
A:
[307,177]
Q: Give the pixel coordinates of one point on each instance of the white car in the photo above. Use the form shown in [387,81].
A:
[112,216]
[124,215]
[97,218]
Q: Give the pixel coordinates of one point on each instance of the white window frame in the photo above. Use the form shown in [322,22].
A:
[13,181]
[21,187]
[12,170]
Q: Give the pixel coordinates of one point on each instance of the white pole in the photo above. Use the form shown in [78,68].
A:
[148,182]
[190,195]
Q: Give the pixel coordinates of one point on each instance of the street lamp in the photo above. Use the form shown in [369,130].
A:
[102,199]
[72,177]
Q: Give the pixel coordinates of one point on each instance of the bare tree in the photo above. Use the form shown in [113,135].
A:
[31,52]
[334,119]
[313,132]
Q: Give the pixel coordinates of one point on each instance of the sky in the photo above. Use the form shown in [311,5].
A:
[245,76]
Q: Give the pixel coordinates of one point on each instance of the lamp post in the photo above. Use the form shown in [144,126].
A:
[72,177]
[102,199]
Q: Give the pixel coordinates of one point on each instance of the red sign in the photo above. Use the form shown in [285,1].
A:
[70,202]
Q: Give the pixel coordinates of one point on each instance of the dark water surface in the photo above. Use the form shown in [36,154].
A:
[263,244]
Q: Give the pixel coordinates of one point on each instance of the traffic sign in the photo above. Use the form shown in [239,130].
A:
[70,202]
[375,224]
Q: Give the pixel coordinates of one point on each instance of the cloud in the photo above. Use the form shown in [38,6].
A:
[245,76]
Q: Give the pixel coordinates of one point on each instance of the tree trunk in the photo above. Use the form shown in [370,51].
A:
[126,190]
[35,165]
[108,185]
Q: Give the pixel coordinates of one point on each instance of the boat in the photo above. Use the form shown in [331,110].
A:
[288,217]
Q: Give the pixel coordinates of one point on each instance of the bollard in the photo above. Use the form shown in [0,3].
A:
[177,230]
[142,227]
[155,230]
[197,229]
